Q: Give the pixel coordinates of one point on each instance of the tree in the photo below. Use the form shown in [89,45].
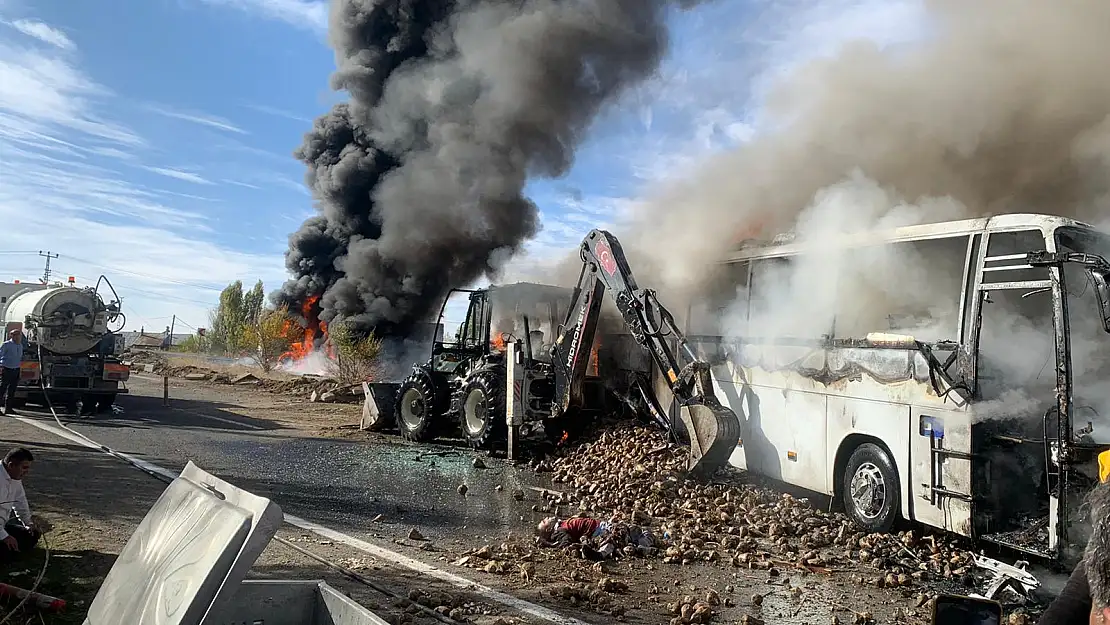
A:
[269,335]
[356,354]
[195,344]
[253,303]
[228,319]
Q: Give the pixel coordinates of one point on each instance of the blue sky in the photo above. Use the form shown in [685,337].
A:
[151,140]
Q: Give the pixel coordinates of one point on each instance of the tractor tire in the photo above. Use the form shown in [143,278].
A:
[870,490]
[417,409]
[480,408]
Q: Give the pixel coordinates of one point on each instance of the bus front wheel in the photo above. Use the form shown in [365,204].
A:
[870,489]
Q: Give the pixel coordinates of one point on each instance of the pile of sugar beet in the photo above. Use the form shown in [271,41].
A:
[634,473]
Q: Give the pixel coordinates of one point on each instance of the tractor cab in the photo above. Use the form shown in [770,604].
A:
[522,311]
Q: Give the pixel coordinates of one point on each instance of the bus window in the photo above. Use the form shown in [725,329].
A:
[791,298]
[907,287]
[724,309]
[1017,355]
[1005,257]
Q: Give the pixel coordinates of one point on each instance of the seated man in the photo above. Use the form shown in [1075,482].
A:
[20,533]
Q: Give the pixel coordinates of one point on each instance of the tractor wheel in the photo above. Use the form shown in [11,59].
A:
[480,406]
[417,409]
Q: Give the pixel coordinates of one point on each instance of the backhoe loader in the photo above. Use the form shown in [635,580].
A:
[521,361]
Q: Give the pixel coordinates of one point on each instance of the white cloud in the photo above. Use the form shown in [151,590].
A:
[43,32]
[241,184]
[211,121]
[179,174]
[277,112]
[64,187]
[42,93]
[312,14]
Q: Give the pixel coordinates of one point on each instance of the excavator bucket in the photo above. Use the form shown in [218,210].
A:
[714,432]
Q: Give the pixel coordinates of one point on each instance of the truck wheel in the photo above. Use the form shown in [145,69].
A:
[870,489]
[416,410]
[481,408]
[104,404]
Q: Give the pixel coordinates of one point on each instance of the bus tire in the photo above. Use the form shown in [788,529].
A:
[870,490]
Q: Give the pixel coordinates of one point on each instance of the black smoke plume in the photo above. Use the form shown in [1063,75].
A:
[420,177]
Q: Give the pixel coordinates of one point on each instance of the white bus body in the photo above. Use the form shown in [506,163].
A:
[946,430]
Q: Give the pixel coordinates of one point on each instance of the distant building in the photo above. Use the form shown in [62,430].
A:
[150,340]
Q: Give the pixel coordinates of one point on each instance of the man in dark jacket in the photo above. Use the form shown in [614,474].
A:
[1076,603]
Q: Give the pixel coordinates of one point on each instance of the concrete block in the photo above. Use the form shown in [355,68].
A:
[176,561]
[189,554]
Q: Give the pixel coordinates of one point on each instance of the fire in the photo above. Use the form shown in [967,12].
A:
[497,342]
[564,437]
[300,349]
[751,230]
[591,369]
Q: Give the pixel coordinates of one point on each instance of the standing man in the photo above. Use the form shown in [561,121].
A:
[11,354]
[19,533]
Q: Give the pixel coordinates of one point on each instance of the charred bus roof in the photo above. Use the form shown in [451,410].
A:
[788,244]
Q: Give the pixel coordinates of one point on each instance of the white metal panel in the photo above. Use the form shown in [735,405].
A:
[885,421]
[785,435]
[952,474]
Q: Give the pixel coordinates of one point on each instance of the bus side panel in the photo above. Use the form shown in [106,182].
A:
[785,431]
[782,423]
[934,428]
[885,421]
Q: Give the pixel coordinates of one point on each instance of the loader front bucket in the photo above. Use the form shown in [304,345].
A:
[377,406]
[714,432]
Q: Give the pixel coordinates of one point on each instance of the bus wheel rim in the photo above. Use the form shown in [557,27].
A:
[868,491]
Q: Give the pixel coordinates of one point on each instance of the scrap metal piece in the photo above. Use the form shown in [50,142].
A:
[1014,576]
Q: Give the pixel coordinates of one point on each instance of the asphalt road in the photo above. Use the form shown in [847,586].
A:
[339,483]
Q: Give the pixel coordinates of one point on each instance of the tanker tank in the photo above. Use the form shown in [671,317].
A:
[60,319]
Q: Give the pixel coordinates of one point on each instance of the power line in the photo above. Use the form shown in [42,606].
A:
[195,285]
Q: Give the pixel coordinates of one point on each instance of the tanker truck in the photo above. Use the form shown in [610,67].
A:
[70,355]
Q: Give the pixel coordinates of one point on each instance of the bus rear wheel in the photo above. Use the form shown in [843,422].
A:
[870,490]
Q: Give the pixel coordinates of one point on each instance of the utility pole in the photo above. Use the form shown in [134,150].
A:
[46,272]
[169,339]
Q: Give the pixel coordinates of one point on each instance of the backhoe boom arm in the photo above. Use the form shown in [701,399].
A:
[713,428]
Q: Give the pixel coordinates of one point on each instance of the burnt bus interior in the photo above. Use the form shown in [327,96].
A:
[990,324]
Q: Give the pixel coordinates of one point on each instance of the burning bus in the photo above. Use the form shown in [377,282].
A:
[952,374]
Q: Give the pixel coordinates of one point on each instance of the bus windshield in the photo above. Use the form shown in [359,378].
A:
[1090,352]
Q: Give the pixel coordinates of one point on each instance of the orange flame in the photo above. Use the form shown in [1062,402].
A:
[497,342]
[564,437]
[299,350]
[591,369]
